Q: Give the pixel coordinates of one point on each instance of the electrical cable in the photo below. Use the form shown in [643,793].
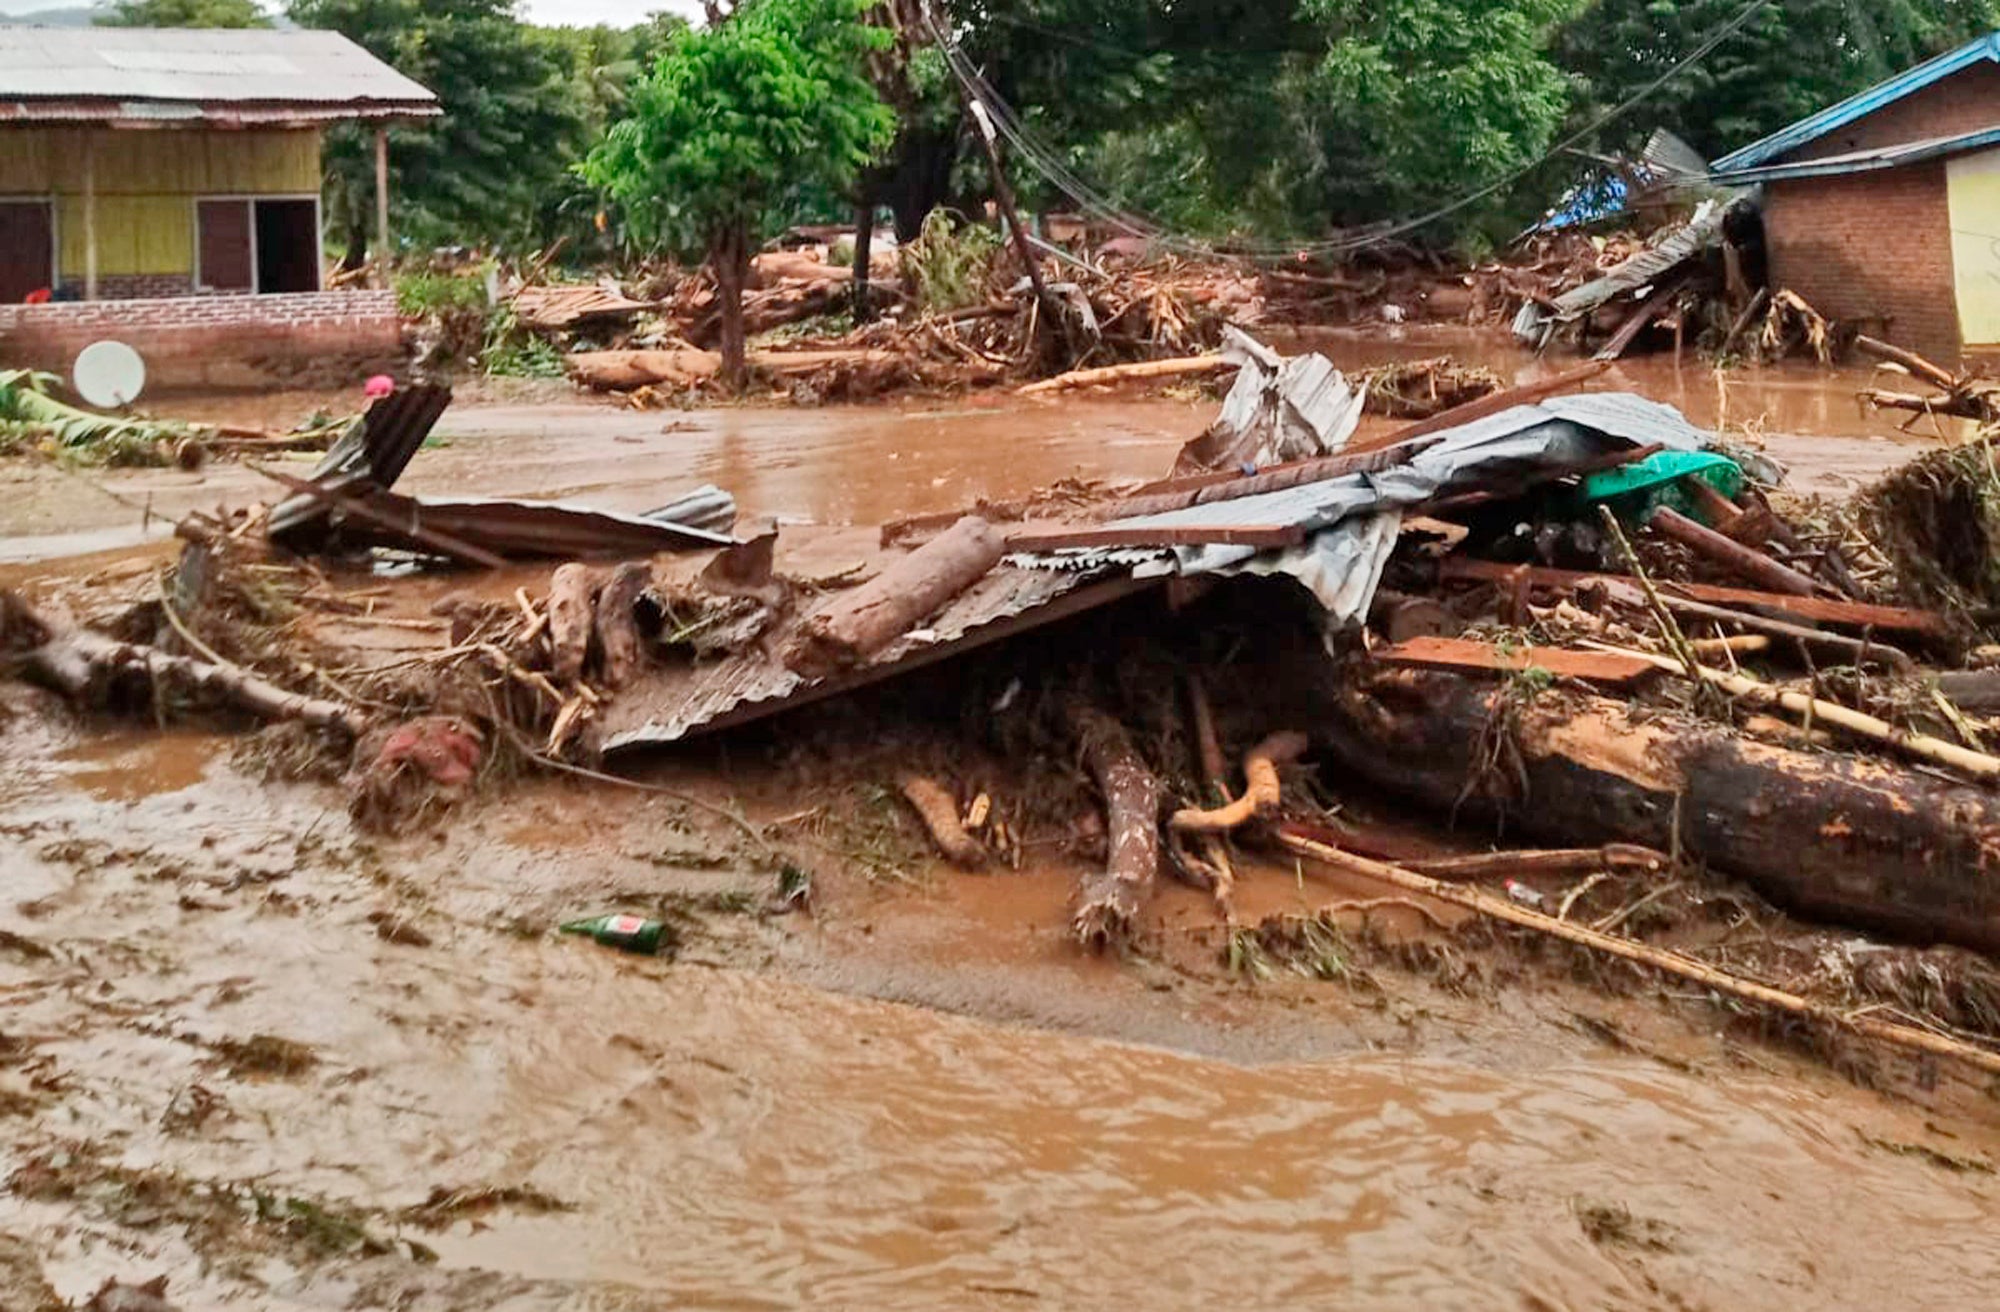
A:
[1044,162]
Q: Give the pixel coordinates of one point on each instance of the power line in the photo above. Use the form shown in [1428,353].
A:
[1043,160]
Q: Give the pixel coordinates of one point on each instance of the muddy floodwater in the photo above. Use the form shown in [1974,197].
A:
[290,1066]
[776,1122]
[870,464]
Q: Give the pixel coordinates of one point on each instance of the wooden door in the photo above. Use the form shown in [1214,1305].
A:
[27,249]
[227,260]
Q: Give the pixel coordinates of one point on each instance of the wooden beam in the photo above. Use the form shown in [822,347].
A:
[1470,654]
[1748,562]
[382,200]
[1206,489]
[1487,406]
[1819,609]
[89,215]
[1064,537]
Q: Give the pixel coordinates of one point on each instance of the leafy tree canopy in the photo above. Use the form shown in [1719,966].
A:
[735,118]
[186,13]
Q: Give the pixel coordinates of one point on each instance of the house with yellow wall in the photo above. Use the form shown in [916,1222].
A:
[142,163]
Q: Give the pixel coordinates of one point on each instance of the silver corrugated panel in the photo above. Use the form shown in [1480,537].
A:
[668,703]
[200,66]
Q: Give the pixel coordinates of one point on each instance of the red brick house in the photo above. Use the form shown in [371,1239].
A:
[1886,207]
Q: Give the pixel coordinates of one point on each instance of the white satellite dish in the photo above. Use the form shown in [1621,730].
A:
[109,375]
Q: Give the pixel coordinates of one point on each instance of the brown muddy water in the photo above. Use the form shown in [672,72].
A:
[842,465]
[769,1123]
[235,1034]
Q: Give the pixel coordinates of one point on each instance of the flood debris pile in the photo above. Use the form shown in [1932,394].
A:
[1541,616]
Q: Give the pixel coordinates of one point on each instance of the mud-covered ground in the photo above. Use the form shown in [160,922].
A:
[289,1065]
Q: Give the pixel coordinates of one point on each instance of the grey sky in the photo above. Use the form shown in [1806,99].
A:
[620,13]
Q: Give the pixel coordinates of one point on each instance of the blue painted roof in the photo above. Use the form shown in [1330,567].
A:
[1986,48]
[1863,161]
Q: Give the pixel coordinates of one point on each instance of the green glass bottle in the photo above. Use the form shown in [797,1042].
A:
[626,933]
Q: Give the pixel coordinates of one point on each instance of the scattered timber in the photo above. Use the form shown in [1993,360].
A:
[1672,963]
[938,810]
[1109,900]
[1818,609]
[619,644]
[1194,366]
[1852,841]
[1487,406]
[572,616]
[1747,562]
[1260,798]
[854,625]
[90,666]
[1466,654]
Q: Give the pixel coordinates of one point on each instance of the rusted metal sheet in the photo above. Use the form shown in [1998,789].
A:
[672,703]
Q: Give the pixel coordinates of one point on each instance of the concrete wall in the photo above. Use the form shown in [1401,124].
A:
[1870,246]
[217,341]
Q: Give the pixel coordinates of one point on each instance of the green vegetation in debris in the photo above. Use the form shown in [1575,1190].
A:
[31,418]
[424,292]
[949,262]
[511,351]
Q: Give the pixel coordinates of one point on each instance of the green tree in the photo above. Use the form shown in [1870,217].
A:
[735,119]
[186,13]
[514,122]
[1791,60]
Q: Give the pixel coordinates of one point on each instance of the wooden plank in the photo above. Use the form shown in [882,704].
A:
[1201,489]
[1820,609]
[1746,562]
[1066,537]
[1470,654]
[1487,406]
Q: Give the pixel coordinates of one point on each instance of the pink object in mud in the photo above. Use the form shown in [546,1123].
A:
[378,387]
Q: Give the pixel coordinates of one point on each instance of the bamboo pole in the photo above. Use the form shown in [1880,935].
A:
[1672,963]
[1817,711]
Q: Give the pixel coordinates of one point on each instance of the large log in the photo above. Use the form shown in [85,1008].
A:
[856,624]
[85,664]
[1844,839]
[1110,899]
[617,622]
[572,608]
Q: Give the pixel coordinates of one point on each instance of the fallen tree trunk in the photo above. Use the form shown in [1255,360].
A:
[1751,564]
[1109,900]
[572,610]
[938,809]
[856,624]
[617,622]
[85,665]
[1186,367]
[1848,840]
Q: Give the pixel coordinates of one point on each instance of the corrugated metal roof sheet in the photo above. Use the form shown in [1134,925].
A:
[1832,119]
[1684,243]
[1866,161]
[199,66]
[668,704]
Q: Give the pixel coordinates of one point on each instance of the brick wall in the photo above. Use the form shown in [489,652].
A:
[217,341]
[1870,246]
[1965,102]
[143,286]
